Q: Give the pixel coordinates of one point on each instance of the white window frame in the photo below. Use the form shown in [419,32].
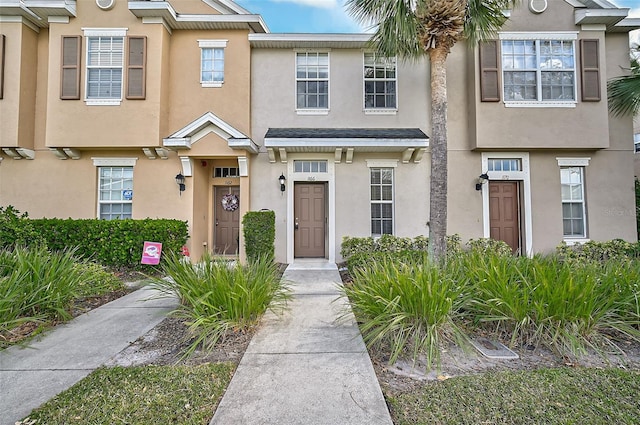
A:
[212,45]
[379,62]
[636,143]
[582,164]
[112,162]
[103,32]
[317,110]
[377,164]
[523,176]
[537,37]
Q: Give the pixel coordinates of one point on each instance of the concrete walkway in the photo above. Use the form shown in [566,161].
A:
[31,376]
[304,366]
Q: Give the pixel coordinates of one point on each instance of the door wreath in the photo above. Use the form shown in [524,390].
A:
[230,202]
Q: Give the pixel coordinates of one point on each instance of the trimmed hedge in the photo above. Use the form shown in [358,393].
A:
[116,243]
[259,235]
[16,229]
[112,242]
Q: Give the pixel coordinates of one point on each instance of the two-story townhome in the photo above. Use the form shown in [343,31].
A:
[105,102]
[534,156]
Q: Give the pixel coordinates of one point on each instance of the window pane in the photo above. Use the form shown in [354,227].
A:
[379,81]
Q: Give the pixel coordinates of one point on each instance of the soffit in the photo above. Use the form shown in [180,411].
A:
[309,41]
[37,11]
[175,20]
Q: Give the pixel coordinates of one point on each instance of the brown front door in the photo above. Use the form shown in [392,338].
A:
[310,218]
[504,213]
[226,225]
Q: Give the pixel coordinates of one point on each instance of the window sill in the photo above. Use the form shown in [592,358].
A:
[576,241]
[508,104]
[312,111]
[380,111]
[212,84]
[103,102]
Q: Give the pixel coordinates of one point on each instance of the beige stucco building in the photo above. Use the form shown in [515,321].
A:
[105,102]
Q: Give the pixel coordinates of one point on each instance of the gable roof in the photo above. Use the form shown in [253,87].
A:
[209,123]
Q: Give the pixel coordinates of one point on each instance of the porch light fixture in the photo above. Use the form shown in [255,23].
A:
[180,182]
[282,180]
[482,178]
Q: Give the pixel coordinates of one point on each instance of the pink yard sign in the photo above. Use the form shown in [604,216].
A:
[151,253]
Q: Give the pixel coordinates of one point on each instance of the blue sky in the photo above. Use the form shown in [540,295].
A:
[313,16]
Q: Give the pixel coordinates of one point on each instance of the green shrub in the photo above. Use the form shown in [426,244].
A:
[39,285]
[593,251]
[409,308]
[16,229]
[217,296]
[389,243]
[116,243]
[487,245]
[259,235]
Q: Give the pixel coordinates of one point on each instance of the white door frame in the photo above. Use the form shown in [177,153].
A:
[524,177]
[329,179]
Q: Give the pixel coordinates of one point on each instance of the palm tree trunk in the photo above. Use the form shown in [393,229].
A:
[438,184]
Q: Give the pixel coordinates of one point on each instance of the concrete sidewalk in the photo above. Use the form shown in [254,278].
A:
[304,366]
[31,376]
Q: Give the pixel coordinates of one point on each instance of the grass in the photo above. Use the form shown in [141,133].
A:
[186,395]
[37,285]
[546,396]
[411,308]
[218,297]
[568,307]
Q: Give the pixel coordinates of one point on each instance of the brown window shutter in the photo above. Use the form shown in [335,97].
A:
[2,66]
[70,72]
[589,61]
[136,67]
[489,71]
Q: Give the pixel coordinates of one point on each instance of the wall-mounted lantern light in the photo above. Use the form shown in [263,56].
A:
[282,180]
[180,182]
[482,179]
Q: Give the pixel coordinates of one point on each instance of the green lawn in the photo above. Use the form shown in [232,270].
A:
[144,395]
[546,396]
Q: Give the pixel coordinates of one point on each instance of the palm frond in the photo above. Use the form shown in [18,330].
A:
[395,23]
[485,18]
[623,93]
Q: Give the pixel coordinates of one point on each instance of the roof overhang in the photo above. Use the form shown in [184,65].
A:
[410,142]
[153,10]
[309,41]
[209,123]
[37,12]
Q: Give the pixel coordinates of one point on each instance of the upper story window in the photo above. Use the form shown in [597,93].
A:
[212,62]
[312,80]
[105,65]
[539,70]
[636,143]
[380,89]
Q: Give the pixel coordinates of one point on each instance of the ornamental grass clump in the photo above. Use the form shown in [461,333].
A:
[411,309]
[566,307]
[217,297]
[37,285]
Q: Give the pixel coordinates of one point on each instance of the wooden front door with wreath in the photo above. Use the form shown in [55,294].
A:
[226,220]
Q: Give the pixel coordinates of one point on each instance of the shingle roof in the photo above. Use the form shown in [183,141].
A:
[345,133]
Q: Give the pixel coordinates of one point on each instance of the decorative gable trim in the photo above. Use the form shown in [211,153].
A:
[209,123]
